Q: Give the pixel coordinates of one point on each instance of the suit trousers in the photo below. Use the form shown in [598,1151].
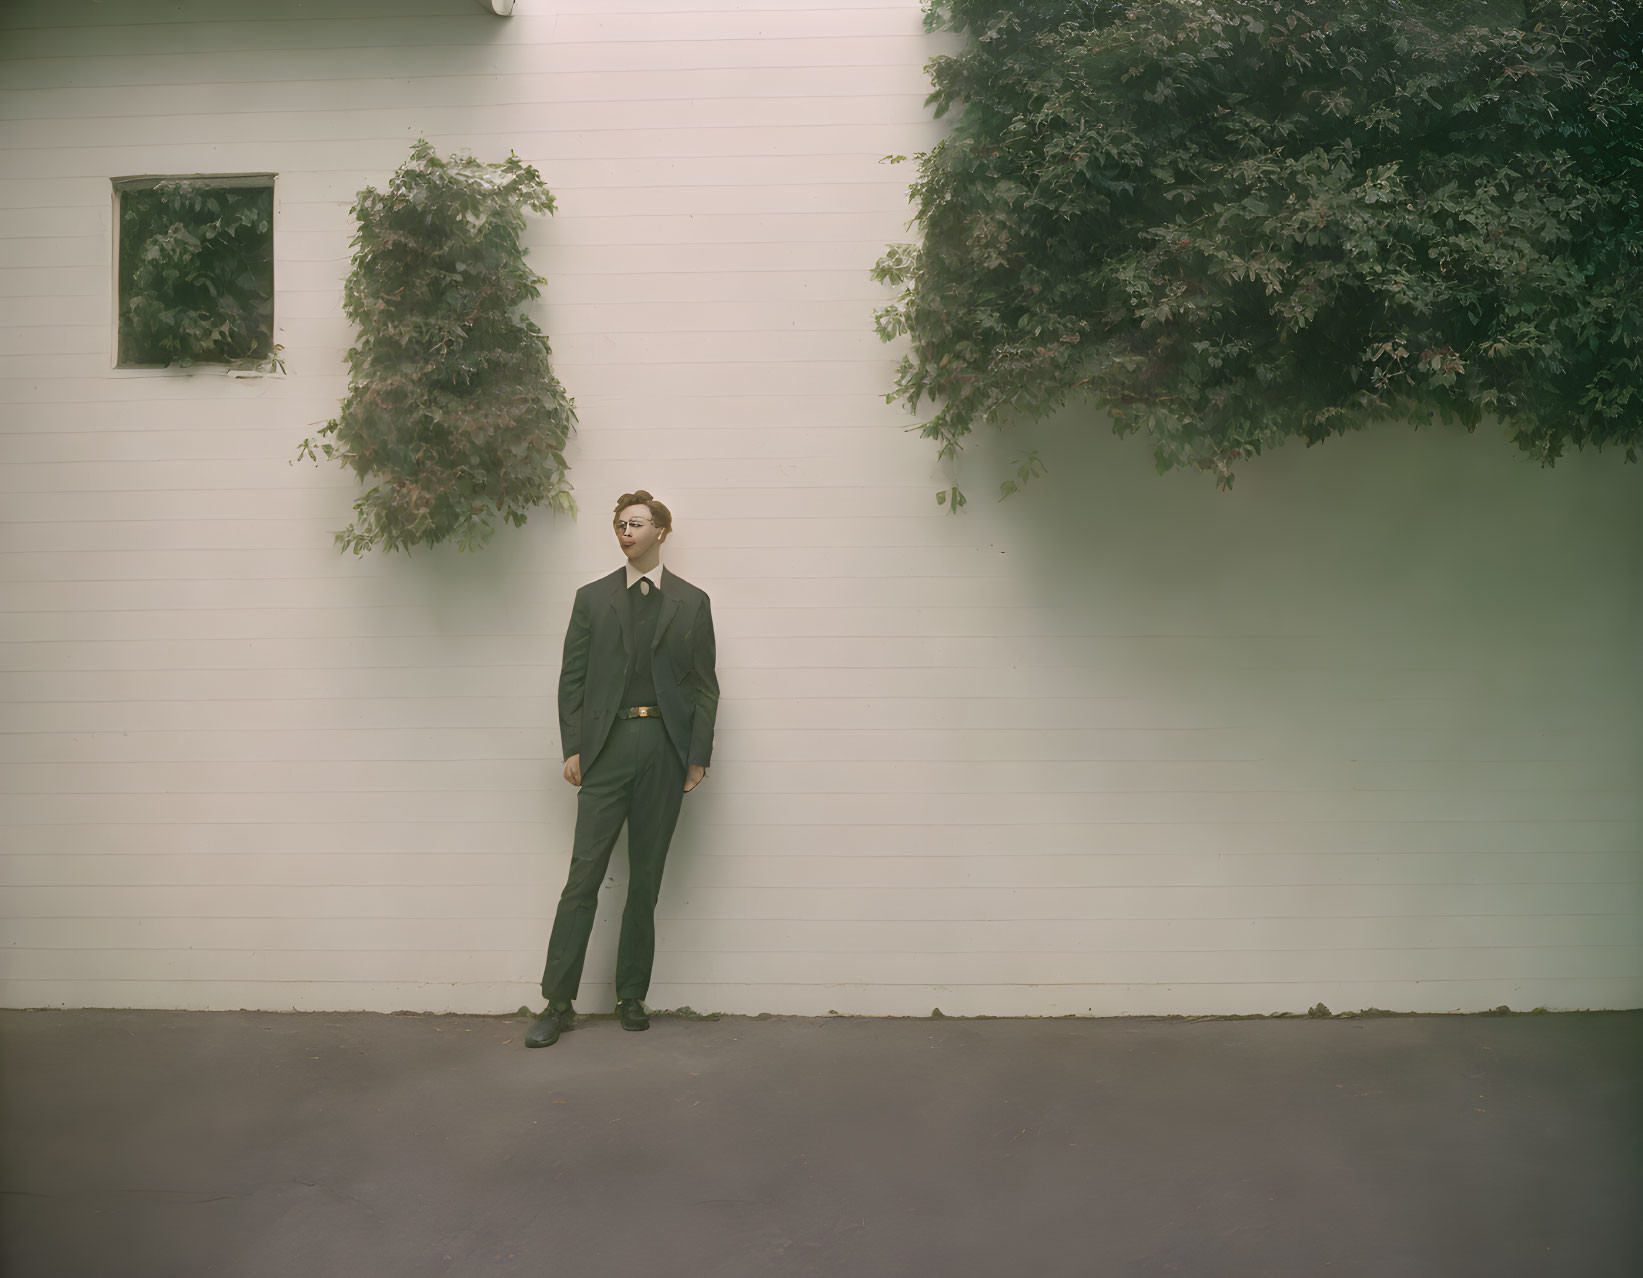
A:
[637,779]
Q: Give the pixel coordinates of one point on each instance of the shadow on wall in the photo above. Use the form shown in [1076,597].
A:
[1424,623]
[1388,533]
[1397,641]
[461,594]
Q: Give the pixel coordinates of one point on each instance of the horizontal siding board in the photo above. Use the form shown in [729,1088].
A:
[317,256]
[635,58]
[29,14]
[534,34]
[1010,787]
[750,939]
[47,379]
[1458,787]
[565,98]
[1117,703]
[594,129]
[823,998]
[271,404]
[704,836]
[561,318]
[738,799]
[225,443]
[881,904]
[492,742]
[46,15]
[963,969]
[69,312]
[908,467]
[682,190]
[368,587]
[852,643]
[73,730]
[833,609]
[302,338]
[864,868]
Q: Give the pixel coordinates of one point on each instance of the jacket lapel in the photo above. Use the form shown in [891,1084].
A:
[670,606]
[619,605]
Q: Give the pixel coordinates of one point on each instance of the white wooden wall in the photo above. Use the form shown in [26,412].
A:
[1365,731]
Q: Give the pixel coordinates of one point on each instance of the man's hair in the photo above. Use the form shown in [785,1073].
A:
[662,516]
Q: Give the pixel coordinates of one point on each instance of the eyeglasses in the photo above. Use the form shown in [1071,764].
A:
[622,525]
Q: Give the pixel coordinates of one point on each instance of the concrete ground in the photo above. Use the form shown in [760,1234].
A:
[236,1144]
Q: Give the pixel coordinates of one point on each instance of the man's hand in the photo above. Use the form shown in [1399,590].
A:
[573,769]
[693,776]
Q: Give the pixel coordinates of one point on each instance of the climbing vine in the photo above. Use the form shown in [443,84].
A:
[1228,225]
[453,414]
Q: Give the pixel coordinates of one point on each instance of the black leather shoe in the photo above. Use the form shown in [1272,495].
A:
[546,1028]
[632,1013]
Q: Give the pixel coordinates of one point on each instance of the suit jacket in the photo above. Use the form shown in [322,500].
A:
[594,670]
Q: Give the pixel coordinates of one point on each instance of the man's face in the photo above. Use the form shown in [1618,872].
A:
[641,532]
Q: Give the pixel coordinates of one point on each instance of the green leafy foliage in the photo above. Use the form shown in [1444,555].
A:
[1236,223]
[1026,468]
[196,273]
[453,413]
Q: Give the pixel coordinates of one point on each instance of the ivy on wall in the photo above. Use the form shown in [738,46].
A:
[453,413]
[1234,224]
[196,273]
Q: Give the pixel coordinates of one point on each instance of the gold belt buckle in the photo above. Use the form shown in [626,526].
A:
[643,711]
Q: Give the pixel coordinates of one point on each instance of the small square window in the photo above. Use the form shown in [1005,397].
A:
[195,259]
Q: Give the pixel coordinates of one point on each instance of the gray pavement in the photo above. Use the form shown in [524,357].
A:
[247,1144]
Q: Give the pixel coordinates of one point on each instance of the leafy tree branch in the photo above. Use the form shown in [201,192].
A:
[1232,224]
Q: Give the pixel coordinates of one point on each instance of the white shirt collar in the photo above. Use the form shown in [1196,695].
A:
[655,575]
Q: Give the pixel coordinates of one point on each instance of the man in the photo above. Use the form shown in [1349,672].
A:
[637,699]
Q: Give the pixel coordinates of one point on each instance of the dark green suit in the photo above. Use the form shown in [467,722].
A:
[633,770]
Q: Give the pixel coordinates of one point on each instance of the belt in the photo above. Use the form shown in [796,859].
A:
[640,712]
